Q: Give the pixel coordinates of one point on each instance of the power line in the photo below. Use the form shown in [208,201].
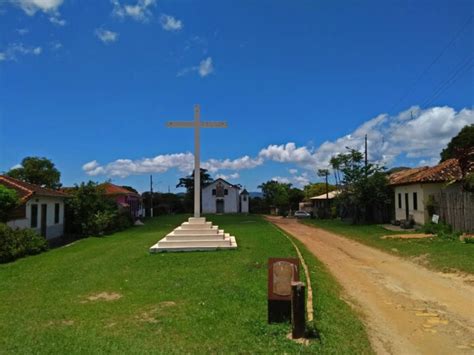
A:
[410,90]
[455,75]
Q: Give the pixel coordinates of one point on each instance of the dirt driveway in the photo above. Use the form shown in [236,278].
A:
[407,308]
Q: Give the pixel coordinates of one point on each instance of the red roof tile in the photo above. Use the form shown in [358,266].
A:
[448,170]
[26,190]
[111,189]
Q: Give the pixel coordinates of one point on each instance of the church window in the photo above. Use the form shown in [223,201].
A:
[226,192]
[220,190]
[213,192]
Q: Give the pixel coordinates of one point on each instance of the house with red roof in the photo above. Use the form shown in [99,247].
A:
[415,187]
[41,209]
[126,199]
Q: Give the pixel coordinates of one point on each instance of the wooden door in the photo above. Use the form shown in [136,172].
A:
[44,219]
[220,206]
[407,211]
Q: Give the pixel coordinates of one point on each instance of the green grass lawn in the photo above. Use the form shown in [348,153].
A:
[196,302]
[436,253]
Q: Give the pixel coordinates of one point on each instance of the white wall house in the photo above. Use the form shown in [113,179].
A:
[413,188]
[41,209]
[223,197]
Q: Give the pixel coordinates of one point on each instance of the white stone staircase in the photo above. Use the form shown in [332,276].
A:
[194,235]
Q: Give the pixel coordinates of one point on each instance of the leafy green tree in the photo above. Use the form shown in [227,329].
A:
[8,202]
[188,183]
[89,210]
[276,194]
[39,171]
[464,140]
[295,196]
[365,193]
[316,189]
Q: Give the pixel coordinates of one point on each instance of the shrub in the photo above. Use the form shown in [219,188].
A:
[441,230]
[16,243]
[469,240]
[8,201]
[90,212]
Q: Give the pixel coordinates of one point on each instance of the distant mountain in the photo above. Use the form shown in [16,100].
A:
[255,194]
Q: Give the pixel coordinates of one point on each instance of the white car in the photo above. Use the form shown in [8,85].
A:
[302,214]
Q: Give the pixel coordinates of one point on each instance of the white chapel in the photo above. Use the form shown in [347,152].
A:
[223,197]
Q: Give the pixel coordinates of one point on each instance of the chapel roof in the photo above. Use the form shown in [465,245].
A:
[224,181]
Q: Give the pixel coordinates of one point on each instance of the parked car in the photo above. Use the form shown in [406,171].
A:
[302,214]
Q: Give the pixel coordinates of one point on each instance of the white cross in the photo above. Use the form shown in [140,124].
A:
[197,124]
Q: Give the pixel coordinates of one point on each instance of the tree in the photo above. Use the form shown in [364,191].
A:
[8,202]
[188,183]
[276,194]
[38,171]
[295,196]
[89,211]
[464,140]
[365,191]
[324,173]
[316,189]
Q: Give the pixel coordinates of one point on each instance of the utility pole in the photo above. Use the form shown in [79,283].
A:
[366,159]
[151,196]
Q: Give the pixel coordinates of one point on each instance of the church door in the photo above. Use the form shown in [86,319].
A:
[220,206]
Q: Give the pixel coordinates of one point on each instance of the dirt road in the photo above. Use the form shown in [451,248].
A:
[407,308]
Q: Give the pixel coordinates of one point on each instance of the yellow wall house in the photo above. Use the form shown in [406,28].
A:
[413,188]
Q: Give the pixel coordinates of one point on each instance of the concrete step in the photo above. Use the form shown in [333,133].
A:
[200,220]
[165,243]
[157,249]
[175,237]
[179,231]
[187,225]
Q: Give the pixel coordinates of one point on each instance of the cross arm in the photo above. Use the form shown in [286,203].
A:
[191,124]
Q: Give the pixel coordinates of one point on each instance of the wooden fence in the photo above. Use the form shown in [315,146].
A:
[457,209]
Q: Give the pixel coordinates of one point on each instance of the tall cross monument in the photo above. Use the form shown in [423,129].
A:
[196,233]
[197,124]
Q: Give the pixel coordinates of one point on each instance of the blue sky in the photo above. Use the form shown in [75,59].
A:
[91,84]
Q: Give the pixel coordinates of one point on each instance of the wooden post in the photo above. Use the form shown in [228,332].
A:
[298,316]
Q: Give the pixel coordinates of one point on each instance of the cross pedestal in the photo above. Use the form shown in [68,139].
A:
[196,234]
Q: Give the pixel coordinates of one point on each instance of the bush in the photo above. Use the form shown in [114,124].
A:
[16,243]
[90,212]
[441,230]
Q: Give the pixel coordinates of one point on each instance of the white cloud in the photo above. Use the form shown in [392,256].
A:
[57,21]
[228,177]
[56,45]
[289,153]
[16,166]
[32,6]
[139,12]
[281,179]
[14,50]
[126,167]
[246,162]
[106,36]
[50,7]
[299,181]
[419,135]
[22,31]
[204,68]
[184,162]
[170,23]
